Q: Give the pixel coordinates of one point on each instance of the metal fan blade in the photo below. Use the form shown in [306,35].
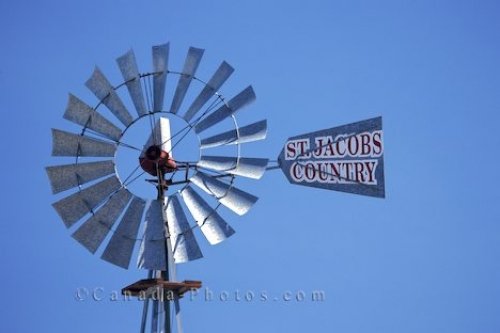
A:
[237,102]
[211,224]
[160,66]
[221,75]
[64,177]
[93,231]
[120,247]
[82,114]
[105,92]
[246,167]
[193,59]
[70,144]
[152,254]
[184,245]
[235,199]
[75,206]
[130,72]
[253,132]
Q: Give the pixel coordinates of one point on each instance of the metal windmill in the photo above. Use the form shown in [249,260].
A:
[105,213]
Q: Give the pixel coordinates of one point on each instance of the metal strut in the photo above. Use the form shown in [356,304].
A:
[166,275]
[169,273]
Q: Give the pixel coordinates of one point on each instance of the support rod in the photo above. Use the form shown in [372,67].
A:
[166,275]
[145,309]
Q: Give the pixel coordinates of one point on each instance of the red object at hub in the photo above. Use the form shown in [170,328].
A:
[156,160]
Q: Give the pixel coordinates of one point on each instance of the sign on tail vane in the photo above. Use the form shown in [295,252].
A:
[348,158]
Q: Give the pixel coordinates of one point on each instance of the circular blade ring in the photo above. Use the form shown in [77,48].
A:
[100,136]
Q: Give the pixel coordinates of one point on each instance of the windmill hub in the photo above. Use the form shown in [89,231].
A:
[154,153]
[156,161]
[163,147]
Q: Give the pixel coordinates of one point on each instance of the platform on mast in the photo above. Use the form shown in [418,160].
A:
[146,288]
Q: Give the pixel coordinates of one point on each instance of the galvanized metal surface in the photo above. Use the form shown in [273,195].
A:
[169,274]
[235,104]
[104,91]
[64,177]
[246,167]
[155,318]
[235,199]
[77,205]
[193,59]
[145,309]
[216,81]
[70,144]
[130,72]
[160,67]
[152,253]
[120,247]
[211,224]
[184,245]
[178,315]
[82,114]
[309,165]
[93,231]
[161,136]
[253,132]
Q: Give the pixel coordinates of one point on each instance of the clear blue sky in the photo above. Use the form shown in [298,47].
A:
[425,259]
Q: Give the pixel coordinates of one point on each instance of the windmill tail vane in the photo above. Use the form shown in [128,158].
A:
[347,158]
[106,214]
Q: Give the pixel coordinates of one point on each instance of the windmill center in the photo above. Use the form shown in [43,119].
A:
[162,148]
[157,161]
[156,157]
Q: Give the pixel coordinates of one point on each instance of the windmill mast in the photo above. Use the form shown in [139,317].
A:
[158,149]
[166,275]
[161,286]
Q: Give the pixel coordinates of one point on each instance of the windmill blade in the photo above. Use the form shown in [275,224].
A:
[184,245]
[193,59]
[93,231]
[253,132]
[120,247]
[105,92]
[235,199]
[75,206]
[130,72]
[152,254]
[160,67]
[246,167]
[220,76]
[211,224]
[82,114]
[70,144]
[64,177]
[236,103]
